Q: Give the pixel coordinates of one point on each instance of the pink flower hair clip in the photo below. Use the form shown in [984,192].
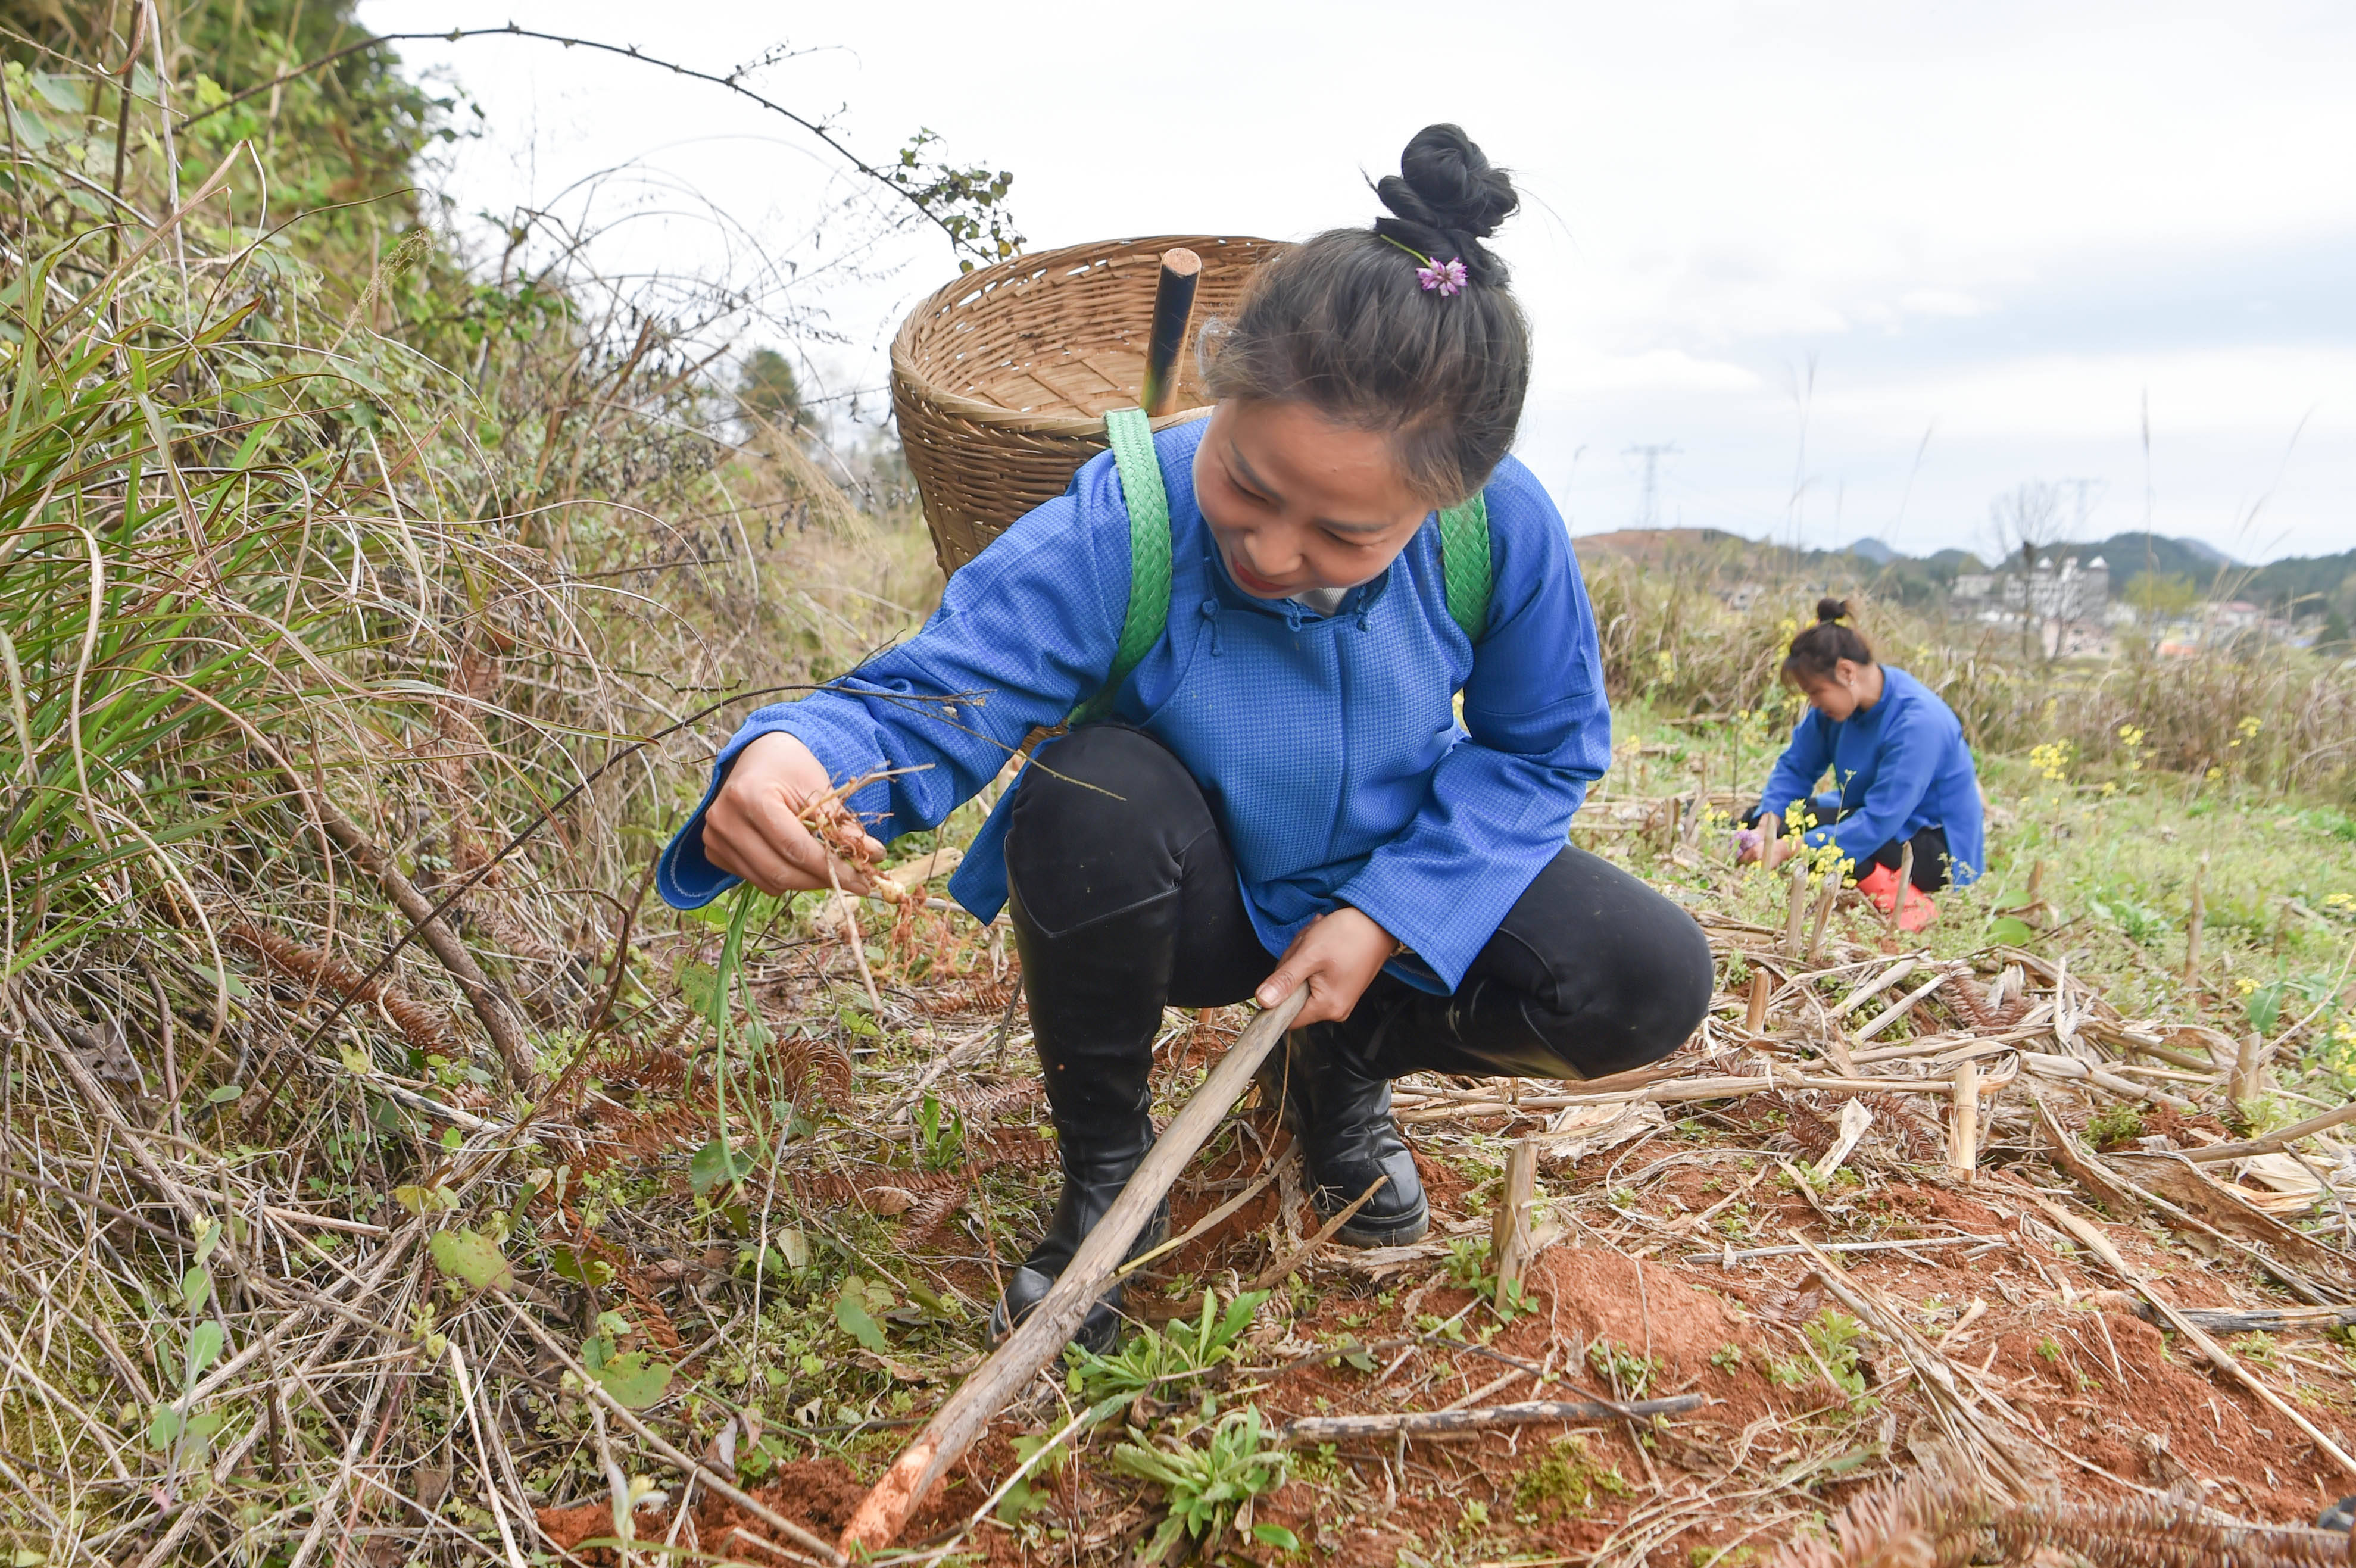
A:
[1448,276]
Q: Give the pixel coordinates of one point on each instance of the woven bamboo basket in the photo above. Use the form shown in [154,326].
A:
[1001,379]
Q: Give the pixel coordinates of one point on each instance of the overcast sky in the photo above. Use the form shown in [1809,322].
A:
[2005,225]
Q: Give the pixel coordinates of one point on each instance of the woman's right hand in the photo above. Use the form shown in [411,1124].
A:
[754,826]
[1769,828]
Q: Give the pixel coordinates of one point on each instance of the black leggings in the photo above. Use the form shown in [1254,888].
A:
[1592,971]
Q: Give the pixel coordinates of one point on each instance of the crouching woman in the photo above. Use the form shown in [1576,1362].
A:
[1280,793]
[1901,773]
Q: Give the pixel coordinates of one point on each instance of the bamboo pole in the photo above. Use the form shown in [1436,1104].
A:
[2195,921]
[1754,1019]
[1825,899]
[1794,923]
[1039,1337]
[1509,1235]
[1964,1123]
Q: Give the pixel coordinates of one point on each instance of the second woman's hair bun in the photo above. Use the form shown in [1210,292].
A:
[1446,198]
[1832,610]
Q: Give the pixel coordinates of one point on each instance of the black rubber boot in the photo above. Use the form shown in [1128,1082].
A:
[1094,1025]
[1338,1094]
[1340,1111]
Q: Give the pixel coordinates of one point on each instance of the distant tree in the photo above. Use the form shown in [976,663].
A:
[2155,595]
[2025,521]
[769,393]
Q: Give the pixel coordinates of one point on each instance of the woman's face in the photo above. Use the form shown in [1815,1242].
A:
[1299,501]
[1839,696]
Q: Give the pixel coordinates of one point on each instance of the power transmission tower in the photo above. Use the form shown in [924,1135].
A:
[1649,515]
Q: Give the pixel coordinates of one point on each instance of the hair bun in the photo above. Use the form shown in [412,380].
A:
[1830,610]
[1446,198]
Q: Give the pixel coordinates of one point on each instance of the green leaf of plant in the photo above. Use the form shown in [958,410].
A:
[1276,1535]
[195,1286]
[634,1381]
[700,984]
[475,1259]
[224,1095]
[204,1348]
[714,1163]
[426,1200]
[2012,931]
[1021,1498]
[570,1265]
[850,1311]
[1164,1539]
[163,1428]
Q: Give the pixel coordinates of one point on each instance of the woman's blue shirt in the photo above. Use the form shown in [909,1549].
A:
[1328,746]
[1899,766]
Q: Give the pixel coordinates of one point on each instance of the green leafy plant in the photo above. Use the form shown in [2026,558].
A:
[2120,1122]
[634,1378]
[1029,1494]
[940,1139]
[1834,1341]
[1167,1359]
[1213,1487]
[1468,1267]
[1628,1373]
[857,1307]
[1566,1483]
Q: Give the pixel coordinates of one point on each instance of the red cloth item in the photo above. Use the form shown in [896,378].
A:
[1881,885]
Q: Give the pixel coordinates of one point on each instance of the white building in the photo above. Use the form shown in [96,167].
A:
[2069,603]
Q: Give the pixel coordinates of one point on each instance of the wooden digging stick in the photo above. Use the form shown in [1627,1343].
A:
[1039,1337]
[1173,304]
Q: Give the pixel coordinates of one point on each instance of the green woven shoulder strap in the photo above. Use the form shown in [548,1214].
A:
[1464,564]
[1148,503]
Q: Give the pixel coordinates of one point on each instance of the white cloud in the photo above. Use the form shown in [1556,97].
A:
[1658,371]
[2253,390]
[1717,190]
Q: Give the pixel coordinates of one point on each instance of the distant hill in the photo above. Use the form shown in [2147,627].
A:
[2304,584]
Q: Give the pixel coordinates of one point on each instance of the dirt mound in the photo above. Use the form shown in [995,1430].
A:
[1604,1295]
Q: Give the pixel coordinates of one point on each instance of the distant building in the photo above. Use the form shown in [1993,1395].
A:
[2069,603]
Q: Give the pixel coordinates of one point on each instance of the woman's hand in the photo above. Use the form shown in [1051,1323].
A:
[1765,832]
[754,826]
[1337,957]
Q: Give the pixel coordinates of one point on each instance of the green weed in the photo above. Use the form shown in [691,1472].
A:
[1213,1487]
[1833,1340]
[1566,1483]
[1166,1360]
[1629,1372]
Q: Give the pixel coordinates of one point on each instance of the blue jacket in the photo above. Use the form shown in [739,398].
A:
[1328,746]
[1898,766]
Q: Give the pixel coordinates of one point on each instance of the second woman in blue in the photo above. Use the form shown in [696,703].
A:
[1283,795]
[1901,772]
